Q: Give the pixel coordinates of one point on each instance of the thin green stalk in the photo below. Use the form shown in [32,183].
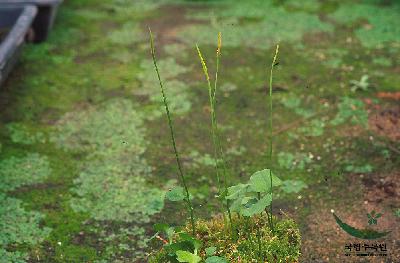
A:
[210,96]
[189,203]
[218,140]
[271,128]
[259,235]
[214,125]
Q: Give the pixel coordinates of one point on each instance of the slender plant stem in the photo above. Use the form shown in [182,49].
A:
[210,96]
[259,235]
[271,129]
[218,152]
[189,203]
[217,134]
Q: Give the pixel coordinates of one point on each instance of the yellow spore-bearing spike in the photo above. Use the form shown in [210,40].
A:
[203,63]
[219,43]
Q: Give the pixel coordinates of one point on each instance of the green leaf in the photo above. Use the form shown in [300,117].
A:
[236,205]
[195,242]
[185,256]
[175,194]
[215,259]
[170,231]
[378,215]
[210,251]
[261,182]
[161,227]
[257,207]
[236,191]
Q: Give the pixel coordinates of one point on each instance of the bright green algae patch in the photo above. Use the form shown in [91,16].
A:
[251,24]
[18,226]
[383,22]
[86,62]
[22,134]
[116,189]
[19,171]
[177,90]
[112,181]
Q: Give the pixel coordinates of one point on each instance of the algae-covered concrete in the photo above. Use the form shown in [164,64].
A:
[85,152]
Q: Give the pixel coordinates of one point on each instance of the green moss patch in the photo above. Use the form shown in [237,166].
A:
[284,246]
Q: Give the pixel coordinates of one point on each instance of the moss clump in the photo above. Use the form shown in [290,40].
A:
[284,246]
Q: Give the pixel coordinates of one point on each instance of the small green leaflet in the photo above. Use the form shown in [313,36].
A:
[185,256]
[175,194]
[261,182]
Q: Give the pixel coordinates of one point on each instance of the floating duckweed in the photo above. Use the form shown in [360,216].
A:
[19,171]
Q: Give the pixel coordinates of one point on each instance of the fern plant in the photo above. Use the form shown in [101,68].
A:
[246,203]
[218,151]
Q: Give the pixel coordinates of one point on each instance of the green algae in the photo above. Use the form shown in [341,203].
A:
[306,5]
[93,68]
[18,227]
[111,184]
[313,128]
[382,61]
[19,171]
[252,24]
[115,189]
[128,34]
[20,133]
[102,130]
[176,50]
[383,22]
[351,110]
[179,98]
